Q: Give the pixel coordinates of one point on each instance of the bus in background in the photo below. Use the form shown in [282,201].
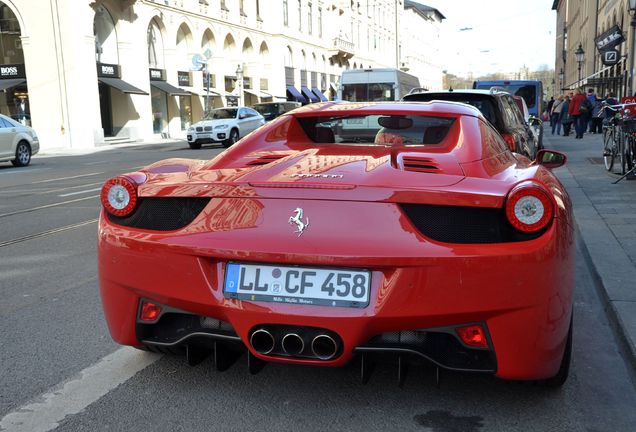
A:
[530,90]
[372,85]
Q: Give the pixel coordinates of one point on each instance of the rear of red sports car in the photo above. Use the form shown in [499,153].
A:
[344,230]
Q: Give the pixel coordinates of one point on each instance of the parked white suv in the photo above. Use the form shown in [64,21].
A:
[224,125]
[17,142]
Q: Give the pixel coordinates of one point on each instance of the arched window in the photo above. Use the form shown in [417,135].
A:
[105,37]
[155,45]
[184,36]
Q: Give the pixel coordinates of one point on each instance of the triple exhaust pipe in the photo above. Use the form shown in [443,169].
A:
[323,346]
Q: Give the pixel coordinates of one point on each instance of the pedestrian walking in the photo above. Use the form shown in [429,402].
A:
[549,111]
[555,115]
[596,122]
[578,115]
[565,118]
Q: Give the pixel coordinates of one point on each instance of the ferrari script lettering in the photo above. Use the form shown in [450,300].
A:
[301,175]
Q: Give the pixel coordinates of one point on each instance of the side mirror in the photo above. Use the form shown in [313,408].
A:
[534,121]
[551,159]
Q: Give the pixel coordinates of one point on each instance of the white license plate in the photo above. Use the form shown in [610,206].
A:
[204,135]
[298,285]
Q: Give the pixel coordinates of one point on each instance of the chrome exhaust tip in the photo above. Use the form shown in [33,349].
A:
[293,344]
[262,341]
[324,347]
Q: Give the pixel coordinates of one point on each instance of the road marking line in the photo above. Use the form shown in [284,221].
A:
[50,191]
[23,170]
[74,395]
[47,206]
[67,178]
[46,233]
[79,192]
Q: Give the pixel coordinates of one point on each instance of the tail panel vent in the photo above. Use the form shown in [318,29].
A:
[266,159]
[420,164]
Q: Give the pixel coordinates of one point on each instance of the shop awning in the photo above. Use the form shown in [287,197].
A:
[295,94]
[257,93]
[169,88]
[121,85]
[9,83]
[309,95]
[202,92]
[318,93]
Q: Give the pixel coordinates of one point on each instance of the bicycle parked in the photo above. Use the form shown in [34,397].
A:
[613,148]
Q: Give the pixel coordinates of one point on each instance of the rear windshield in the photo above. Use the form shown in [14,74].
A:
[377,129]
[527,91]
[484,103]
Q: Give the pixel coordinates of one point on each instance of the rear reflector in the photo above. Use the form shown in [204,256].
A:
[149,311]
[473,336]
[510,140]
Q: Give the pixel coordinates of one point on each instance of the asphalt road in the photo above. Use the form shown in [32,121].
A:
[59,369]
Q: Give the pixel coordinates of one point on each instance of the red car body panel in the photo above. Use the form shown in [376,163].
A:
[522,291]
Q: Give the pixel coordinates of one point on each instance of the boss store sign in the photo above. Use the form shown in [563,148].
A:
[157,74]
[9,71]
[108,70]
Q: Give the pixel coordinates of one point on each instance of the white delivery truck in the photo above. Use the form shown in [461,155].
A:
[370,85]
[373,85]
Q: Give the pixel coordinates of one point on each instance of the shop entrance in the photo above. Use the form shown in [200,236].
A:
[105,109]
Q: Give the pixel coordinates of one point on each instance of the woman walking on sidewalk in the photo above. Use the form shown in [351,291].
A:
[565,118]
[574,110]
[555,115]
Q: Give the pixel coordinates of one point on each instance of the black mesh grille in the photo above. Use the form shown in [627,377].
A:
[162,214]
[451,224]
[441,347]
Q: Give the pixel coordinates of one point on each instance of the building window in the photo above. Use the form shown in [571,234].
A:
[224,6]
[258,10]
[310,18]
[320,22]
[300,15]
[285,13]
[242,7]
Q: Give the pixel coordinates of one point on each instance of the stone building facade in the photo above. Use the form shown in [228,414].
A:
[86,73]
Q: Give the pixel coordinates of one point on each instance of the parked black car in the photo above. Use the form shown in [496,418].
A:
[498,107]
[271,110]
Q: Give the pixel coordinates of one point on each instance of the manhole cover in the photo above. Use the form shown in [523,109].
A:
[596,160]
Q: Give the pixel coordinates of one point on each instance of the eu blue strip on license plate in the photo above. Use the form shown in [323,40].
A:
[298,285]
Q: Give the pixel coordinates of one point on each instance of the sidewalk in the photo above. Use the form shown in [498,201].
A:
[605,215]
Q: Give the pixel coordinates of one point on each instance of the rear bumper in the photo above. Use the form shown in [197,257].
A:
[521,292]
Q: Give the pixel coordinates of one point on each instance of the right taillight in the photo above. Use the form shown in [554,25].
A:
[529,208]
[119,196]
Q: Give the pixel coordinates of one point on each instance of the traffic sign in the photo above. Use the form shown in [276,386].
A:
[609,57]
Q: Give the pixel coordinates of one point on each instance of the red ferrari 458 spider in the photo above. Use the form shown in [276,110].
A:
[344,230]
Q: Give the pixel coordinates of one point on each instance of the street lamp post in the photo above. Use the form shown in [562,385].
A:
[561,76]
[239,83]
[579,55]
[632,10]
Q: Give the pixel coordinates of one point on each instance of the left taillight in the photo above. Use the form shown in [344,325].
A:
[529,208]
[119,196]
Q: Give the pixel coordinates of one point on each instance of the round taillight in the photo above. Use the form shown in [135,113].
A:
[119,196]
[529,208]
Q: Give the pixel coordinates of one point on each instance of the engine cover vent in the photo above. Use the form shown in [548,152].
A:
[420,164]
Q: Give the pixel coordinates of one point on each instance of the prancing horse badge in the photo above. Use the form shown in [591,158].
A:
[298,220]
